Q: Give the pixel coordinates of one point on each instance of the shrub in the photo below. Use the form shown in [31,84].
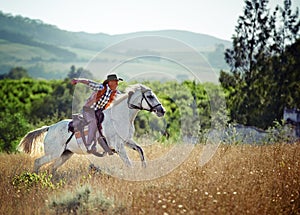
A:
[82,202]
[28,180]
[12,129]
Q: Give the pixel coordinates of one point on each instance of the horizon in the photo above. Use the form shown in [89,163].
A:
[214,18]
[157,30]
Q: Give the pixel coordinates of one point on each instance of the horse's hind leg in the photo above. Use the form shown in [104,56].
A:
[66,155]
[47,158]
[41,161]
[132,144]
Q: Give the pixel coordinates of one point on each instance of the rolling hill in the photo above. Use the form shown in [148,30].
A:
[48,52]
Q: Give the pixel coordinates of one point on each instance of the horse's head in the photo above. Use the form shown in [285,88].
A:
[142,98]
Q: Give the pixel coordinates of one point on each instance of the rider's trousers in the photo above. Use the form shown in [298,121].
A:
[89,116]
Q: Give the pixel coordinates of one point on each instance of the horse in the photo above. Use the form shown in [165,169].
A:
[117,127]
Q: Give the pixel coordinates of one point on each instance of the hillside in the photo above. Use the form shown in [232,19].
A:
[48,52]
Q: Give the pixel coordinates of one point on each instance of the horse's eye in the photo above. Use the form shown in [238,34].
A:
[150,97]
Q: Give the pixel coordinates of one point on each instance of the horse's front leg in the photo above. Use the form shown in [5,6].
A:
[123,155]
[132,144]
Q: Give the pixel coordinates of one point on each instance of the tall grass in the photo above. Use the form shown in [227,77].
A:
[239,179]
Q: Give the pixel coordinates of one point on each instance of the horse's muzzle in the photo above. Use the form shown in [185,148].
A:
[159,111]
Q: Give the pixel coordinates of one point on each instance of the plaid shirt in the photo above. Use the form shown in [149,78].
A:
[95,86]
[104,99]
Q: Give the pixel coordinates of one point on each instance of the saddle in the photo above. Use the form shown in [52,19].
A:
[78,124]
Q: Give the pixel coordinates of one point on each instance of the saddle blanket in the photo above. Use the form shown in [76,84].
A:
[79,137]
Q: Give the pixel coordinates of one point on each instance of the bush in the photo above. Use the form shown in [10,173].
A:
[12,129]
[28,180]
[81,202]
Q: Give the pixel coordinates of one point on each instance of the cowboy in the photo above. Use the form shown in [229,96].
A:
[104,93]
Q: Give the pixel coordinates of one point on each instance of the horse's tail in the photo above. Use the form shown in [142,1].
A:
[32,142]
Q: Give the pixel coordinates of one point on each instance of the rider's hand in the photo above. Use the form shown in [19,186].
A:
[74,81]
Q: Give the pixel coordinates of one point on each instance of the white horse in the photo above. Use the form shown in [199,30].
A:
[118,128]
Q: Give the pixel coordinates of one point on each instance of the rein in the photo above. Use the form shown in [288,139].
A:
[133,106]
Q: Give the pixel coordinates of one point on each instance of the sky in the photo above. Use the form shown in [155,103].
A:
[213,17]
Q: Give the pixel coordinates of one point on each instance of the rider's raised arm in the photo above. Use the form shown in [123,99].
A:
[92,84]
[95,86]
[79,80]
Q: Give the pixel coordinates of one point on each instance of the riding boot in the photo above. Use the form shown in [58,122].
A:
[103,143]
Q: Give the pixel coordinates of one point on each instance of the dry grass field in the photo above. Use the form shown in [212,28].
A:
[239,179]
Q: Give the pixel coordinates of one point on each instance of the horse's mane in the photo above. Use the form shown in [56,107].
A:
[131,88]
[135,87]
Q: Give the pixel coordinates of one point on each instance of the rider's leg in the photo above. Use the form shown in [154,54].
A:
[102,141]
[89,115]
[100,117]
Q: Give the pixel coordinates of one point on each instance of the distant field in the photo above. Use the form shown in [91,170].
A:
[240,179]
[23,52]
[35,45]
[43,63]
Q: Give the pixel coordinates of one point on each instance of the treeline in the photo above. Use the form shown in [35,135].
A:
[264,78]
[18,25]
[45,35]
[264,64]
[28,104]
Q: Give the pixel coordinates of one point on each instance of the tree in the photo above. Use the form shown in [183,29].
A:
[16,73]
[286,30]
[250,41]
[79,73]
[246,60]
[57,104]
[284,33]
[73,74]
[290,88]
[258,82]
[12,128]
[216,58]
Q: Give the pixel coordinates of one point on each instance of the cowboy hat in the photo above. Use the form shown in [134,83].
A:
[113,77]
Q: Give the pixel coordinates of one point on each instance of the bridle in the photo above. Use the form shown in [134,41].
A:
[133,106]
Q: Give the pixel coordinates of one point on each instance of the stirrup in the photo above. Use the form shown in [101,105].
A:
[104,145]
[89,148]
